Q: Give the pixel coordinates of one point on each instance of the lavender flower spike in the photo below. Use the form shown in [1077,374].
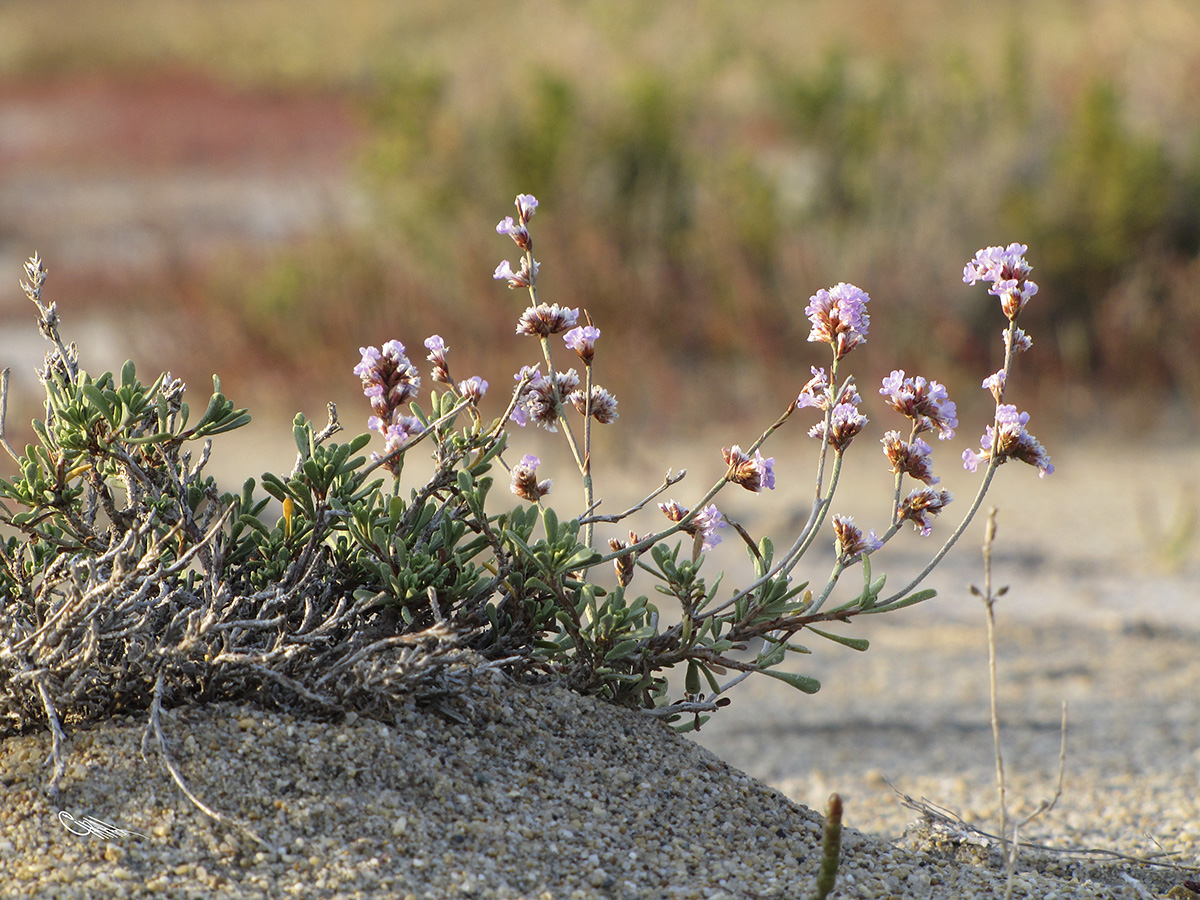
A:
[389,379]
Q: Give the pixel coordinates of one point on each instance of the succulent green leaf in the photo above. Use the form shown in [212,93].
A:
[805,683]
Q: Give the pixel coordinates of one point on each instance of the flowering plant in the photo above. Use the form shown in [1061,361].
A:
[130,579]
[608,642]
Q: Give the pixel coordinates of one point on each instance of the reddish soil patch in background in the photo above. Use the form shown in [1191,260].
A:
[120,179]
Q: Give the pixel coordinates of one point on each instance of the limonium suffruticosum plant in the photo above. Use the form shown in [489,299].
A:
[620,646]
[130,580]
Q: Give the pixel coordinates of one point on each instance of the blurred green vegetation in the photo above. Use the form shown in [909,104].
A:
[703,172]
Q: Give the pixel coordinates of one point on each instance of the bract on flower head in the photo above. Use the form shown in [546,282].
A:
[839,317]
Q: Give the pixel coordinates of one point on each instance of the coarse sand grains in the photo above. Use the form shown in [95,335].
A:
[509,791]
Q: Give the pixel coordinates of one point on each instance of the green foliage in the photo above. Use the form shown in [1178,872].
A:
[109,464]
[105,446]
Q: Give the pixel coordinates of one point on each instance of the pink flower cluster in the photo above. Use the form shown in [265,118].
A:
[1007,270]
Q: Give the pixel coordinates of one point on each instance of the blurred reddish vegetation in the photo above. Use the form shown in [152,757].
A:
[260,191]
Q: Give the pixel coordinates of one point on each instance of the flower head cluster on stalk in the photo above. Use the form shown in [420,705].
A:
[525,482]
[839,317]
[1008,439]
[390,382]
[925,402]
[703,525]
[1007,270]
[752,472]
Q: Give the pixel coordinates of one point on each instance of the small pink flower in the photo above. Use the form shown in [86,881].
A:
[473,388]
[816,393]
[925,402]
[583,341]
[839,317]
[437,355]
[704,524]
[524,277]
[1008,271]
[604,404]
[526,206]
[752,472]
[1020,340]
[1015,442]
[517,231]
[913,458]
[921,506]
[845,422]
[524,480]
[545,319]
[850,543]
[995,384]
